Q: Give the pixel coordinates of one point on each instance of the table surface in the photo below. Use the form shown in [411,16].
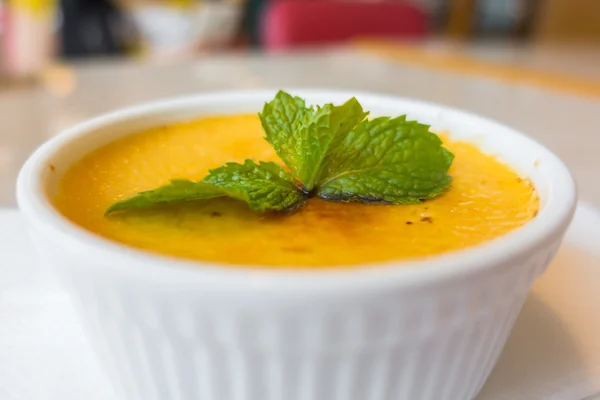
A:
[564,120]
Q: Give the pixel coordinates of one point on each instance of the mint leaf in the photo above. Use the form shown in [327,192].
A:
[386,161]
[326,129]
[264,186]
[302,137]
[283,120]
[176,191]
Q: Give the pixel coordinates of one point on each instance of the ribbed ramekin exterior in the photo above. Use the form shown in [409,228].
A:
[433,343]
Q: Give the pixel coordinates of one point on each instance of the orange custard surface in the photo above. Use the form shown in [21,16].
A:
[487,200]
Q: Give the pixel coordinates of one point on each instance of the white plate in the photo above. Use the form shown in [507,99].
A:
[553,352]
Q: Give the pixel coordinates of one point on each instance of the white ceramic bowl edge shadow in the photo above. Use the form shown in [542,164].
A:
[169,329]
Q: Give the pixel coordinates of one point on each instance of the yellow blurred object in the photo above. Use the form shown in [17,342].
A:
[180,3]
[35,7]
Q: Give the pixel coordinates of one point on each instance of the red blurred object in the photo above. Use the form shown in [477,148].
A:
[292,23]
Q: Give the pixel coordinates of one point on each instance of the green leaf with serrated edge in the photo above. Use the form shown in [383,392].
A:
[264,186]
[327,128]
[387,161]
[302,137]
[177,191]
[282,120]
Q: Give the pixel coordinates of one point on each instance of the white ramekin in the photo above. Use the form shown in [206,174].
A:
[171,329]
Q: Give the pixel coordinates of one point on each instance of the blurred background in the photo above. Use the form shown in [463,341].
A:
[35,34]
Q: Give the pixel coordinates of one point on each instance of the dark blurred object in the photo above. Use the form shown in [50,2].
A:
[508,19]
[292,23]
[93,27]
[503,18]
[253,11]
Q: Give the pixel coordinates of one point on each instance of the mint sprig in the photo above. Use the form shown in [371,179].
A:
[302,137]
[332,152]
[264,186]
[386,161]
[178,190]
